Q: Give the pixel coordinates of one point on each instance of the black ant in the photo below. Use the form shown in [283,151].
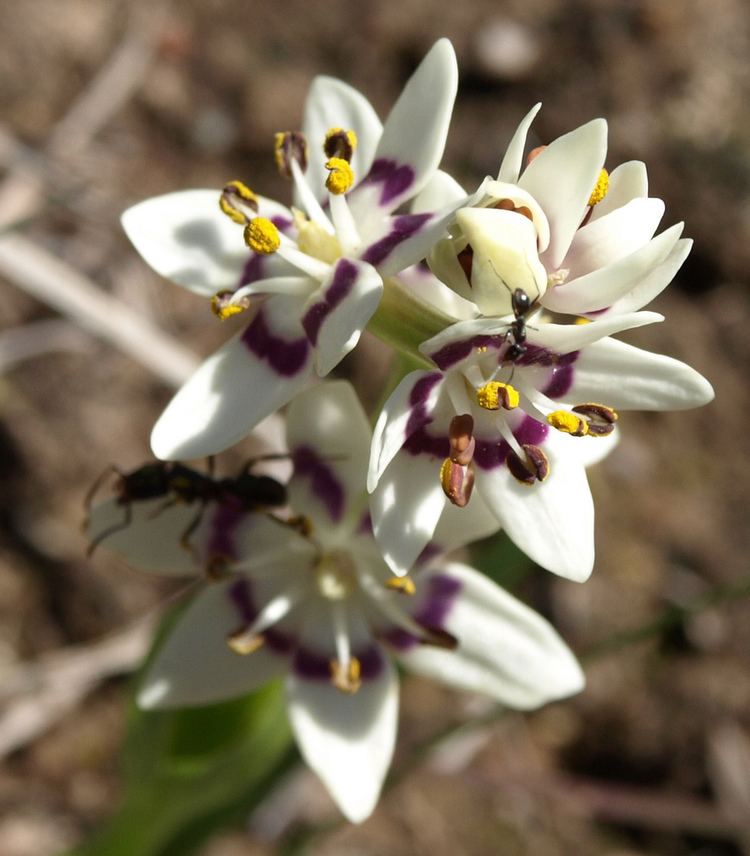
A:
[178,483]
[521,304]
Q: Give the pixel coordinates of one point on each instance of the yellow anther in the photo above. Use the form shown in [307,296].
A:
[600,188]
[223,308]
[581,321]
[244,643]
[235,192]
[340,175]
[262,236]
[347,680]
[289,146]
[340,143]
[403,585]
[494,395]
[568,423]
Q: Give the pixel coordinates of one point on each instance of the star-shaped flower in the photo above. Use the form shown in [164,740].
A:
[312,276]
[314,602]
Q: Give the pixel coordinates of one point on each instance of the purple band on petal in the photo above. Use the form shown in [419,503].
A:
[489,454]
[418,397]
[538,356]
[560,381]
[395,179]
[435,606]
[422,443]
[317,667]
[402,227]
[454,352]
[285,357]
[224,522]
[240,593]
[344,277]
[324,483]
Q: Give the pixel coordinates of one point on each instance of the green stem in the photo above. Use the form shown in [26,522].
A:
[404,321]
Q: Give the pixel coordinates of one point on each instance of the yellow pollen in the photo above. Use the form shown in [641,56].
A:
[600,188]
[347,680]
[243,643]
[236,188]
[404,585]
[494,395]
[278,150]
[262,236]
[222,309]
[340,176]
[581,321]
[568,423]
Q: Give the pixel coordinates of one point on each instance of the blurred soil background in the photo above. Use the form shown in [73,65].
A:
[654,757]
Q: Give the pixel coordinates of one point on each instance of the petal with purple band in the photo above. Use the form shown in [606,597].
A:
[250,377]
[328,437]
[331,103]
[195,666]
[409,407]
[449,348]
[505,650]
[552,521]
[561,179]
[490,454]
[185,237]
[413,137]
[632,378]
[601,288]
[613,236]
[347,740]
[406,507]
[565,338]
[336,314]
[512,163]
[628,181]
[387,252]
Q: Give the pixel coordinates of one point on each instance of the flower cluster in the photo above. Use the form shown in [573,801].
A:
[509,298]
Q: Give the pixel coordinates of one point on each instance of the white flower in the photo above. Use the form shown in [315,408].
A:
[551,240]
[315,279]
[320,607]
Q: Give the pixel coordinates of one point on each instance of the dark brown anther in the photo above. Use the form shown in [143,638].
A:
[535,468]
[290,146]
[457,482]
[466,260]
[340,144]
[601,419]
[460,435]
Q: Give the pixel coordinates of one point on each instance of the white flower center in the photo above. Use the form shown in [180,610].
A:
[336,575]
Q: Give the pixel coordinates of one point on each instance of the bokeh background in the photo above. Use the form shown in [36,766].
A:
[103,103]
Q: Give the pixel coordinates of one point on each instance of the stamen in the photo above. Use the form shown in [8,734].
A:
[340,176]
[457,482]
[534,468]
[340,144]
[347,679]
[495,394]
[224,304]
[235,196]
[289,147]
[461,438]
[601,418]
[403,585]
[600,188]
[243,642]
[262,236]
[568,423]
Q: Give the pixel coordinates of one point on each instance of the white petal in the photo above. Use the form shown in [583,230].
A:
[425,286]
[553,521]
[254,374]
[629,378]
[603,287]
[561,179]
[331,103]
[185,237]
[328,435]
[336,314]
[656,281]
[195,666]
[614,236]
[564,338]
[458,527]
[347,740]
[406,507]
[627,181]
[510,168]
[151,541]
[440,191]
[408,408]
[413,136]
[505,650]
